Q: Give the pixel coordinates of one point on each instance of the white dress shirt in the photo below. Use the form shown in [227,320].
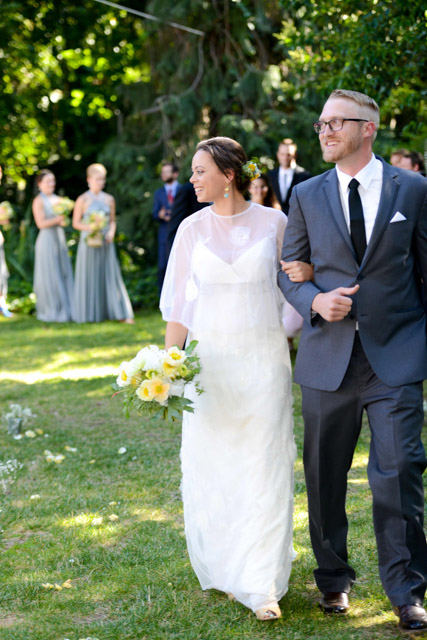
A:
[285,180]
[371,180]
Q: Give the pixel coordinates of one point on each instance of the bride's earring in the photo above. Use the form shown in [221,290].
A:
[226,190]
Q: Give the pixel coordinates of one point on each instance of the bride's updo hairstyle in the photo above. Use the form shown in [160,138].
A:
[228,155]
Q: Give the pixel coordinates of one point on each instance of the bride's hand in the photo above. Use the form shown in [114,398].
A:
[298,271]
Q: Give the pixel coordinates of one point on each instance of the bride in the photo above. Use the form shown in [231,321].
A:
[238,449]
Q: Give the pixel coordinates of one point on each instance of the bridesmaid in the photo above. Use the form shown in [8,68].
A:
[100,293]
[53,275]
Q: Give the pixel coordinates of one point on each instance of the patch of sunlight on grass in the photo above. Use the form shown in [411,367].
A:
[83,373]
[357,481]
[153,515]
[300,520]
[360,460]
[92,525]
[63,359]
[372,621]
[302,551]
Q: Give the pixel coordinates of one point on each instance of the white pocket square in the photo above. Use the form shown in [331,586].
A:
[397,217]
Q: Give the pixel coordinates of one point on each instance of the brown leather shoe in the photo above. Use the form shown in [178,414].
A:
[412,617]
[334,602]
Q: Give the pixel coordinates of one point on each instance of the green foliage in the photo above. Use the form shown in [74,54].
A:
[374,47]
[86,82]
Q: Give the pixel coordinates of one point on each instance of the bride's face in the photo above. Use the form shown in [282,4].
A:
[208,181]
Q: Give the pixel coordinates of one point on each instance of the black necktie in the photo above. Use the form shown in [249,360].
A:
[357,221]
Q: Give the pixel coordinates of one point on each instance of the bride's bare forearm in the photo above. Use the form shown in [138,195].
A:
[176,334]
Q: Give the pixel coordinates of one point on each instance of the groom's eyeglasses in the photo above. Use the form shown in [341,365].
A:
[335,125]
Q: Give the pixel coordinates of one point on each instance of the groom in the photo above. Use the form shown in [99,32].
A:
[363,225]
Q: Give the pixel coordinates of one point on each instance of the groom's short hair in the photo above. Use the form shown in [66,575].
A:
[366,102]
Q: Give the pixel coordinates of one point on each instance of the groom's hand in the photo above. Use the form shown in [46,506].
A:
[334,305]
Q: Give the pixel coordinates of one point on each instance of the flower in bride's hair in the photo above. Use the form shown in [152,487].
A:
[250,169]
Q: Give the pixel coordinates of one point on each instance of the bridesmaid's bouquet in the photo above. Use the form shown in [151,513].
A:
[63,207]
[153,382]
[6,213]
[97,222]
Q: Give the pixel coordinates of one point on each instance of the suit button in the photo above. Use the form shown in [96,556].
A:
[352,316]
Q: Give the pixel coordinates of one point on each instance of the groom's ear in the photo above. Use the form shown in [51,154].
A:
[369,129]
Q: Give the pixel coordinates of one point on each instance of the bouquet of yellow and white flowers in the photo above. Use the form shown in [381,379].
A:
[153,382]
[6,213]
[97,222]
[63,207]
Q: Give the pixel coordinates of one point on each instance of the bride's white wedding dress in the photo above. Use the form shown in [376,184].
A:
[237,448]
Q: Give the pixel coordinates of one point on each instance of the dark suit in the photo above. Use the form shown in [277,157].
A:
[185,204]
[379,368]
[300,174]
[161,201]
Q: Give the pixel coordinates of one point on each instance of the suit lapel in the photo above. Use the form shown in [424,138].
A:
[333,198]
[389,190]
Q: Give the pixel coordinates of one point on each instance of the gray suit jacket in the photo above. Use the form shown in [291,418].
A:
[388,305]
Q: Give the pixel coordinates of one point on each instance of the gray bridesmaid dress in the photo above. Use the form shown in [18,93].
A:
[4,273]
[53,274]
[99,293]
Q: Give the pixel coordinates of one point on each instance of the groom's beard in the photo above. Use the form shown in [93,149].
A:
[344,146]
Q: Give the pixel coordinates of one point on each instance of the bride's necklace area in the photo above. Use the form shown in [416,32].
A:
[233,214]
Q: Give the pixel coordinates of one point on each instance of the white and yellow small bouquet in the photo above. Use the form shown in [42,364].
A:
[153,382]
[97,222]
[63,207]
[6,213]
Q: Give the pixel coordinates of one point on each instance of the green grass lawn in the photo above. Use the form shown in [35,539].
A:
[131,577]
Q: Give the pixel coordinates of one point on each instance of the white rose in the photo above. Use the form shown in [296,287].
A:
[177,388]
[154,356]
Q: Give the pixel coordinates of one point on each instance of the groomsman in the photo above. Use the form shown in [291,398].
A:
[162,207]
[288,174]
[363,225]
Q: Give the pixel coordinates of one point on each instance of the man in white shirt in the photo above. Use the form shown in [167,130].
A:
[288,174]
[363,347]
